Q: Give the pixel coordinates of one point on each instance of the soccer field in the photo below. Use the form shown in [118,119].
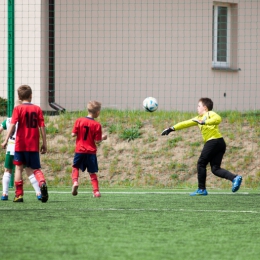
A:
[132,224]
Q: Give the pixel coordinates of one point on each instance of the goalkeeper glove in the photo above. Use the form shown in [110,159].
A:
[167,131]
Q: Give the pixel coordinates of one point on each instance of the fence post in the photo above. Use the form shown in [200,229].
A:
[11,65]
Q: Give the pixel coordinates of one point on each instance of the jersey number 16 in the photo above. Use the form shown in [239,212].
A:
[31,120]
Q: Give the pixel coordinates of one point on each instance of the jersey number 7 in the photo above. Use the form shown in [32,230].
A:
[86,133]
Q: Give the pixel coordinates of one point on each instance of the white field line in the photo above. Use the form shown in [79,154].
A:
[152,209]
[176,210]
[142,192]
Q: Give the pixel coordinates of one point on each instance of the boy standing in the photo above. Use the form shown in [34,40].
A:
[9,166]
[214,147]
[30,119]
[88,133]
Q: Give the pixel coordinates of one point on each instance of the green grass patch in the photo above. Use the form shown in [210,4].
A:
[51,129]
[130,134]
[173,142]
[177,166]
[195,144]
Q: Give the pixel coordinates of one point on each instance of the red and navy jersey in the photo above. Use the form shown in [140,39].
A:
[30,118]
[88,131]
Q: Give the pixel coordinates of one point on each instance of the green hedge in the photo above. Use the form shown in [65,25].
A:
[3,106]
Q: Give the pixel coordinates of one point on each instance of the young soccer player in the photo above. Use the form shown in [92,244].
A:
[9,166]
[30,120]
[214,147]
[88,133]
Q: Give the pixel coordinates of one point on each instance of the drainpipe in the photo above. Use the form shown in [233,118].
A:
[51,97]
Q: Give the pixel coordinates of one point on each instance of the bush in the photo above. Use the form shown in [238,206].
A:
[130,134]
[3,107]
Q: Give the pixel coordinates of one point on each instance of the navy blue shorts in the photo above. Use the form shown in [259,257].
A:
[85,161]
[28,159]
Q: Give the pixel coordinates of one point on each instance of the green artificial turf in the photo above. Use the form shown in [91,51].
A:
[131,224]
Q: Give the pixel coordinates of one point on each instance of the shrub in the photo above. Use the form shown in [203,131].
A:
[3,106]
[130,134]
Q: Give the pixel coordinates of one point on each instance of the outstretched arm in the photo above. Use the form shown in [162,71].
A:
[179,126]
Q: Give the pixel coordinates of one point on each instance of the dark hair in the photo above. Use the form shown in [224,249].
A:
[24,92]
[207,102]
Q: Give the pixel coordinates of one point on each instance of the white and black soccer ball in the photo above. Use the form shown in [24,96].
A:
[150,104]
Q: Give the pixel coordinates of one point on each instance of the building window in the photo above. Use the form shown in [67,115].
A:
[221,35]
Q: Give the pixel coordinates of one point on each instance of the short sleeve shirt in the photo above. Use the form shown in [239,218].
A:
[30,118]
[88,131]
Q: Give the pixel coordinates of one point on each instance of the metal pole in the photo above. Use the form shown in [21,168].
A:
[52,102]
[11,67]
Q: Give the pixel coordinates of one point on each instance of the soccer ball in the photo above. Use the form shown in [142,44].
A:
[150,104]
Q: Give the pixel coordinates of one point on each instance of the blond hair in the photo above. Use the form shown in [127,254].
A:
[94,107]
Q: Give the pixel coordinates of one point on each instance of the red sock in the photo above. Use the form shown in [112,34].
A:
[18,188]
[94,182]
[75,174]
[39,176]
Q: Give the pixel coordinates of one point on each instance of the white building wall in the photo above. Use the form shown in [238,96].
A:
[29,48]
[3,49]
[119,52]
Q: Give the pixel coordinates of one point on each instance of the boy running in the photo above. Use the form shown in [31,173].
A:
[30,119]
[88,133]
[9,166]
[214,147]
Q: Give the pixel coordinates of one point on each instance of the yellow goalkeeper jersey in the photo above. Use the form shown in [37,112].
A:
[209,130]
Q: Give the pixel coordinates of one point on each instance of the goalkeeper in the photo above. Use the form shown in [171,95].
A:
[214,147]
